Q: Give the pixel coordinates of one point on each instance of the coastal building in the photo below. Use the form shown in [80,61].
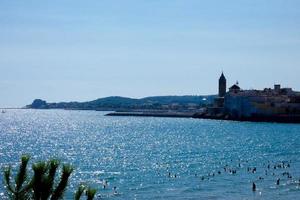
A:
[222,85]
[276,102]
[235,88]
[270,104]
[219,101]
[218,106]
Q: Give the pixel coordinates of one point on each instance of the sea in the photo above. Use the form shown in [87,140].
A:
[157,158]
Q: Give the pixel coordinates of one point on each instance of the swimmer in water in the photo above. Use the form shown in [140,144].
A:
[278,181]
[253,187]
[115,190]
[104,184]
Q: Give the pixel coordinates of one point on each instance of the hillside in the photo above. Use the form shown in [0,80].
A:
[119,103]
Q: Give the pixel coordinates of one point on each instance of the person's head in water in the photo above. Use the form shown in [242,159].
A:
[253,187]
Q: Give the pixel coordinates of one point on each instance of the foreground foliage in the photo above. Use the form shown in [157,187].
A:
[44,184]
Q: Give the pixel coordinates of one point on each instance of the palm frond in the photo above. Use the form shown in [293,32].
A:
[22,173]
[7,182]
[79,192]
[90,193]
[61,187]
[39,170]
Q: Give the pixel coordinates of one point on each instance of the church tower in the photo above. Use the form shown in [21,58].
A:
[222,85]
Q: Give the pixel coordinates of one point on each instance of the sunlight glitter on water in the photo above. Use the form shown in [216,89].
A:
[164,158]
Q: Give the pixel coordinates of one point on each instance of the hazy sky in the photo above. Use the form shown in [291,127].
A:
[63,50]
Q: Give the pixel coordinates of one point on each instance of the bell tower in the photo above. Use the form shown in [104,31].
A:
[222,85]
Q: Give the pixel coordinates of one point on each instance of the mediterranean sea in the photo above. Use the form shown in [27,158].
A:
[158,158]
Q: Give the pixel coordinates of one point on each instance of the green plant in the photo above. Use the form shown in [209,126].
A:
[43,184]
[79,192]
[21,189]
[89,192]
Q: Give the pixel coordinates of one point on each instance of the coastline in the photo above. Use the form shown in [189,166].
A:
[153,114]
[271,119]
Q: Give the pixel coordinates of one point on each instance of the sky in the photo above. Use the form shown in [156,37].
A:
[68,50]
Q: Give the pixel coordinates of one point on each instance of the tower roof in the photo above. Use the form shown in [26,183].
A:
[222,77]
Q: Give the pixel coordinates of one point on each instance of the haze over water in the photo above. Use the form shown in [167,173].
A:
[137,154]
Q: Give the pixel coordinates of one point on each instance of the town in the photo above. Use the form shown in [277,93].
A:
[277,104]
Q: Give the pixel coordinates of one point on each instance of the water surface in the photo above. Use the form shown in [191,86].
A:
[137,154]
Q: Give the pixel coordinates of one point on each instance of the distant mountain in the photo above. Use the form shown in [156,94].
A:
[124,103]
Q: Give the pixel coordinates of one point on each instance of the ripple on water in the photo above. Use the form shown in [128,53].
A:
[136,155]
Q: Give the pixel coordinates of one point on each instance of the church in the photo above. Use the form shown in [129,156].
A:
[220,99]
[217,109]
[267,104]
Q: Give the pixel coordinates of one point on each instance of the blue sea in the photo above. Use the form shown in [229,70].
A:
[158,158]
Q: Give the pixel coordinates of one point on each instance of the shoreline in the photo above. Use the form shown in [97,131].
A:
[152,114]
[271,119]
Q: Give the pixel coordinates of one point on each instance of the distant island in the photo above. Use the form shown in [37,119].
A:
[117,103]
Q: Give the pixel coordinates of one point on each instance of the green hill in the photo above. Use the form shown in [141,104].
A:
[119,103]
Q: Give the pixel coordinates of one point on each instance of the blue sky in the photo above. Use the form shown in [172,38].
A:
[63,50]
